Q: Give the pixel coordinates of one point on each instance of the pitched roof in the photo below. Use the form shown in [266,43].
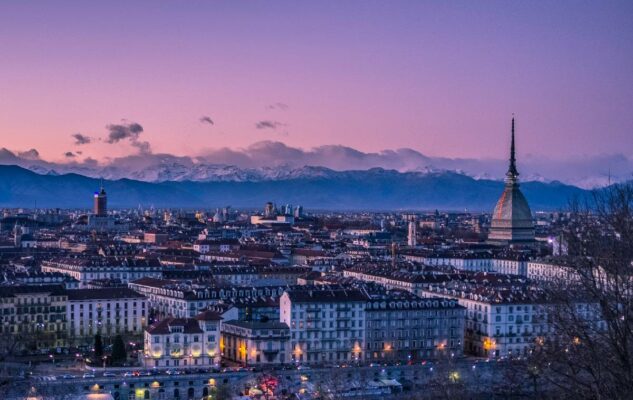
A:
[326,295]
[208,315]
[190,325]
[105,294]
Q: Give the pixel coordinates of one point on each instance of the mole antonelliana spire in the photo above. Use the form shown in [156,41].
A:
[512,170]
[512,217]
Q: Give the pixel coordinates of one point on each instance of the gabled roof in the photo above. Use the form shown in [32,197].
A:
[190,325]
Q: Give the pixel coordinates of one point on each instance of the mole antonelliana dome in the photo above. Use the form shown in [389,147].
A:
[512,218]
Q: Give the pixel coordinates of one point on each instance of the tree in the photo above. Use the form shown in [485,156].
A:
[9,343]
[98,347]
[221,392]
[589,352]
[118,350]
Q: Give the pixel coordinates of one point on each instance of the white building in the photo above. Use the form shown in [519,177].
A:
[108,312]
[550,271]
[183,342]
[326,324]
[178,299]
[412,239]
[500,322]
[511,266]
[86,269]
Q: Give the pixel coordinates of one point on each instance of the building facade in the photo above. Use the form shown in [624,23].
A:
[512,217]
[183,342]
[112,311]
[33,317]
[254,343]
[326,325]
[400,326]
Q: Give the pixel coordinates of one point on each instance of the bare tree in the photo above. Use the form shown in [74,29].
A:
[589,351]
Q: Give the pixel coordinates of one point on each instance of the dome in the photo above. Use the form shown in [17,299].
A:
[512,206]
[512,217]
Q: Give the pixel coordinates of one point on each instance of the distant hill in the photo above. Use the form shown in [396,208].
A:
[322,188]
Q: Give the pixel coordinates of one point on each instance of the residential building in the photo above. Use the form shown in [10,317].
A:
[252,343]
[401,326]
[326,323]
[183,342]
[33,317]
[108,312]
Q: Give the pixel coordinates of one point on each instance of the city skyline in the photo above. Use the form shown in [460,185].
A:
[95,84]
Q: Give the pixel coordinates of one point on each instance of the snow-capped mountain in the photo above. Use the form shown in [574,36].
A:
[268,161]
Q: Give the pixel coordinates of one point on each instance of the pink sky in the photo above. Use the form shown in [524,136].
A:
[440,78]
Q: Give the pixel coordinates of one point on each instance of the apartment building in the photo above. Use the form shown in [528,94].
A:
[33,317]
[108,312]
[183,342]
[254,343]
[86,269]
[326,324]
[401,326]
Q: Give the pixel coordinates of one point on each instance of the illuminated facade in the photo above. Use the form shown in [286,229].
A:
[183,342]
[500,322]
[401,326]
[326,324]
[256,343]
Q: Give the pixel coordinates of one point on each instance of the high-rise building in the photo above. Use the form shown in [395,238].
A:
[269,210]
[512,218]
[100,202]
[412,239]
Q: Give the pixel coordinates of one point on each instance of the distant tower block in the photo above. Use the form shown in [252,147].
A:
[412,239]
[512,217]
[100,202]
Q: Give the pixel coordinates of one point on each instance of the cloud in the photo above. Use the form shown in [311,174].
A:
[143,147]
[31,154]
[206,120]
[69,154]
[277,106]
[81,139]
[130,131]
[586,171]
[269,124]
[118,132]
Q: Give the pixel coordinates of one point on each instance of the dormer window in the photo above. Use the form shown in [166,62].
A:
[176,329]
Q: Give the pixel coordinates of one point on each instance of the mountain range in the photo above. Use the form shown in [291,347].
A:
[270,160]
[312,187]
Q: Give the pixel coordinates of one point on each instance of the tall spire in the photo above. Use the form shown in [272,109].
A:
[512,170]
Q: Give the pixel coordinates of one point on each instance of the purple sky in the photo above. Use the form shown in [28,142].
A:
[442,78]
